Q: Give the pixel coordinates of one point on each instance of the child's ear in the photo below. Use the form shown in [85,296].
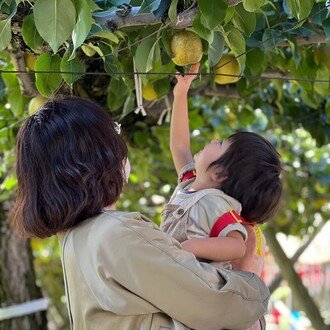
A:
[218,175]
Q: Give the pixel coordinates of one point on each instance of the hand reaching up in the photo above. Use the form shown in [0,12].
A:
[184,82]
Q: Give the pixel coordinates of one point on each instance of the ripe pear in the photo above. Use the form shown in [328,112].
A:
[186,47]
[30,60]
[36,103]
[148,92]
[232,68]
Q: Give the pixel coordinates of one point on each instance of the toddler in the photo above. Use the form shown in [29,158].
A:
[224,191]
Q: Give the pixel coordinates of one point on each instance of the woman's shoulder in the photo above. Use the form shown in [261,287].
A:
[106,226]
[110,233]
[111,222]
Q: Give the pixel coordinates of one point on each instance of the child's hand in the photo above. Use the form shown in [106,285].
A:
[185,81]
[186,245]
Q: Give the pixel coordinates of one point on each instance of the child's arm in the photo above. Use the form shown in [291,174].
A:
[179,132]
[219,248]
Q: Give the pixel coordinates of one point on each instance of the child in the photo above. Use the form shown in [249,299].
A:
[224,190]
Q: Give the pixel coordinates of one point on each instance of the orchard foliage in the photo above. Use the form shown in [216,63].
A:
[60,41]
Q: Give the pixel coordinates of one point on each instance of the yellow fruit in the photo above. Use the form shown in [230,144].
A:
[30,60]
[232,68]
[36,103]
[148,92]
[186,47]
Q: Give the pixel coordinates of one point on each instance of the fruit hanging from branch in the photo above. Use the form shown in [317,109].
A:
[186,47]
[36,103]
[148,92]
[227,70]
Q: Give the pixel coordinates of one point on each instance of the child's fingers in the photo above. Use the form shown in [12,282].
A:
[194,68]
[179,77]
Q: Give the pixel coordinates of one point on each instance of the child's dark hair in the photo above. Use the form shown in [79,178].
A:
[252,168]
[69,165]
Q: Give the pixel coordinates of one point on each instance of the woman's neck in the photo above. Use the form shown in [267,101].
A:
[111,207]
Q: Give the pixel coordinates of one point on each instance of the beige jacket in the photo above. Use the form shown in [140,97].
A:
[122,272]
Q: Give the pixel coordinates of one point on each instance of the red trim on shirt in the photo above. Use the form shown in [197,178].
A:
[226,219]
[188,175]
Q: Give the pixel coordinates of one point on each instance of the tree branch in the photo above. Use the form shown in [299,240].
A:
[301,41]
[278,279]
[184,19]
[299,291]
[25,80]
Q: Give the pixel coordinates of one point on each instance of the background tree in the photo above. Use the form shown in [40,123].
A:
[92,49]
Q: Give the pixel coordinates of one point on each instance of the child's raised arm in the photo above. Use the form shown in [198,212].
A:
[179,133]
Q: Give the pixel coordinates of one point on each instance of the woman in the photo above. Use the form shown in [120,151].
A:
[120,270]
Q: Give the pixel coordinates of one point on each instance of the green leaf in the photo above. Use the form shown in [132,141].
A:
[148,6]
[142,56]
[107,35]
[73,65]
[213,12]
[216,49]
[110,63]
[142,52]
[270,39]
[162,86]
[83,25]
[326,27]
[14,95]
[153,55]
[129,105]
[55,21]
[5,33]
[48,83]
[161,10]
[201,30]
[295,51]
[255,61]
[9,182]
[236,43]
[300,8]
[91,49]
[322,88]
[172,12]
[141,139]
[93,6]
[10,80]
[166,41]
[229,14]
[118,92]
[30,34]
[17,101]
[12,8]
[252,5]
[245,21]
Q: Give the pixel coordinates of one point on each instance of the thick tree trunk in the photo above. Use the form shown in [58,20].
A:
[299,291]
[17,279]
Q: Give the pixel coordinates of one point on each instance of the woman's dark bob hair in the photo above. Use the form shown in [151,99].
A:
[70,164]
[251,167]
